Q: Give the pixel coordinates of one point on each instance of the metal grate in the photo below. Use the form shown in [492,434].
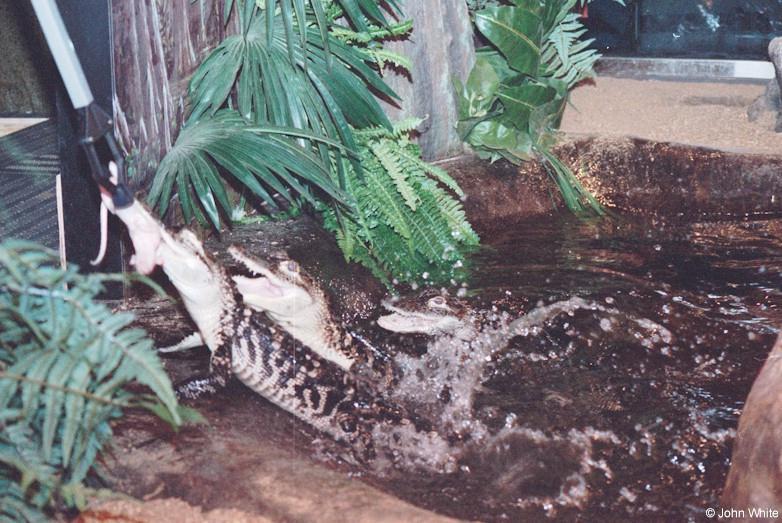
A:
[28,166]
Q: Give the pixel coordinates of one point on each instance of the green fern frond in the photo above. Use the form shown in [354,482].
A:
[402,128]
[453,213]
[440,174]
[383,57]
[390,162]
[424,243]
[373,34]
[65,361]
[384,199]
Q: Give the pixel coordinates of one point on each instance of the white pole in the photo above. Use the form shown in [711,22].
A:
[64,54]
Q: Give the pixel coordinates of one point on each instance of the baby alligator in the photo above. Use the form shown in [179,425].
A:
[297,302]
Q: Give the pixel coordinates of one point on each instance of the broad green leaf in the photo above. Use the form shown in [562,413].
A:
[516,32]
[521,100]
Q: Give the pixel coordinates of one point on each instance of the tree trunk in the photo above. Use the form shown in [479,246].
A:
[157,46]
[441,48]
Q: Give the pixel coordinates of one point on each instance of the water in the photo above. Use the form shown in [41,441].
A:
[618,393]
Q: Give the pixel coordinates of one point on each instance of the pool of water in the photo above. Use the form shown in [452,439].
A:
[618,391]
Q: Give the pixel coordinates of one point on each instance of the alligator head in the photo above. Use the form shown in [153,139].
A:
[203,284]
[297,302]
[428,313]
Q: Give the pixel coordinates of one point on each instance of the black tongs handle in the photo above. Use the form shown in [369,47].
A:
[97,125]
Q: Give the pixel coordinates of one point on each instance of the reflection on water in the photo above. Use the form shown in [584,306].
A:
[618,388]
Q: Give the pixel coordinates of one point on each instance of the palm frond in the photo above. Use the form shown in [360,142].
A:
[227,141]
[277,83]
[271,73]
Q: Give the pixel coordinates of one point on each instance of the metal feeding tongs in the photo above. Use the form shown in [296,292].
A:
[97,125]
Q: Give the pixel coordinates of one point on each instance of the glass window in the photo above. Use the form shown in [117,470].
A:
[739,29]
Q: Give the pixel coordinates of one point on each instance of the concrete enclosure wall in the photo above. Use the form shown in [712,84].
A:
[26,82]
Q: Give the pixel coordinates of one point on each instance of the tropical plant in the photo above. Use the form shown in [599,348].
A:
[408,226]
[297,120]
[227,140]
[65,363]
[301,100]
[360,13]
[512,103]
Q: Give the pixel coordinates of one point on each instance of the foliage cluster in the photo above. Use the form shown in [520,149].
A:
[512,103]
[65,363]
[407,224]
[277,111]
[265,108]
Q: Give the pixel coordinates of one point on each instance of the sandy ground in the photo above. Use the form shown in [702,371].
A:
[697,113]
[169,510]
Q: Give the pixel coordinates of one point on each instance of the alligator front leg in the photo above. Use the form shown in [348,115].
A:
[190,341]
[219,374]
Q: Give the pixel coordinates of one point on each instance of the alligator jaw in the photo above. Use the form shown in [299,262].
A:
[404,321]
[268,292]
[260,286]
[288,304]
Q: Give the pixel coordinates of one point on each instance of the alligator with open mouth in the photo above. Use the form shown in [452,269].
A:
[314,308]
[313,385]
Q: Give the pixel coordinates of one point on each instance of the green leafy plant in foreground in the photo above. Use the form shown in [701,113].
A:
[408,226]
[512,103]
[65,363]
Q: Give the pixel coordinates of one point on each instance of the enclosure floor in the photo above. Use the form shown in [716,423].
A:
[28,165]
[697,113]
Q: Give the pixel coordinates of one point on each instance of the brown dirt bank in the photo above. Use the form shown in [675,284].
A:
[249,462]
[628,175]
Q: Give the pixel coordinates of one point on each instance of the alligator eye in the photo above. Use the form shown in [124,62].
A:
[438,302]
[290,266]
